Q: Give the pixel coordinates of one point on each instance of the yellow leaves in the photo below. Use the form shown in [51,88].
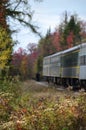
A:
[4,56]
[24,66]
[5,48]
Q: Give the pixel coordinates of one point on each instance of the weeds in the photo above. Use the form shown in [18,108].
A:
[28,106]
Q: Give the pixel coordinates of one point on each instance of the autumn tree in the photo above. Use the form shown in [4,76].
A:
[17,58]
[32,59]
[19,64]
[56,41]
[5,50]
[24,67]
[24,62]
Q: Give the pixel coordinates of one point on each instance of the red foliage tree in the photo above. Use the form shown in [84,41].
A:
[16,61]
[32,58]
[23,63]
[56,40]
[70,39]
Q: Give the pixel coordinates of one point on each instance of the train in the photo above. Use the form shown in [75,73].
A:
[67,67]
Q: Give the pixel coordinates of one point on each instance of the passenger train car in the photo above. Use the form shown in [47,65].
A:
[67,67]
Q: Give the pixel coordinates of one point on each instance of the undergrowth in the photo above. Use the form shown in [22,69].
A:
[28,106]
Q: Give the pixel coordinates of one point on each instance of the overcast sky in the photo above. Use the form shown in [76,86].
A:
[49,14]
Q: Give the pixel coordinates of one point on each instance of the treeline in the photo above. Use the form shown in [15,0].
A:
[70,32]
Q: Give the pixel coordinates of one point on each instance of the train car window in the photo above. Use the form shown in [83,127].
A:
[55,59]
[83,60]
[46,61]
[70,59]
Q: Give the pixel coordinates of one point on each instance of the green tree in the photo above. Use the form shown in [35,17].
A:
[40,64]
[74,27]
[70,32]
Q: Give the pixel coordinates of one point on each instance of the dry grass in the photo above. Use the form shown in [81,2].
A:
[38,90]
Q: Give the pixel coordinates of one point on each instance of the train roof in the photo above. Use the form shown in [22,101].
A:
[47,57]
[67,50]
[55,54]
[71,49]
[58,53]
[74,48]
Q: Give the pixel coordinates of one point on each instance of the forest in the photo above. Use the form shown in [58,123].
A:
[24,104]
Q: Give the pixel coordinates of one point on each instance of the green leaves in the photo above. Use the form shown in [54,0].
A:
[71,33]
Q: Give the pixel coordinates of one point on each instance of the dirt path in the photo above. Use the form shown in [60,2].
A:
[43,89]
